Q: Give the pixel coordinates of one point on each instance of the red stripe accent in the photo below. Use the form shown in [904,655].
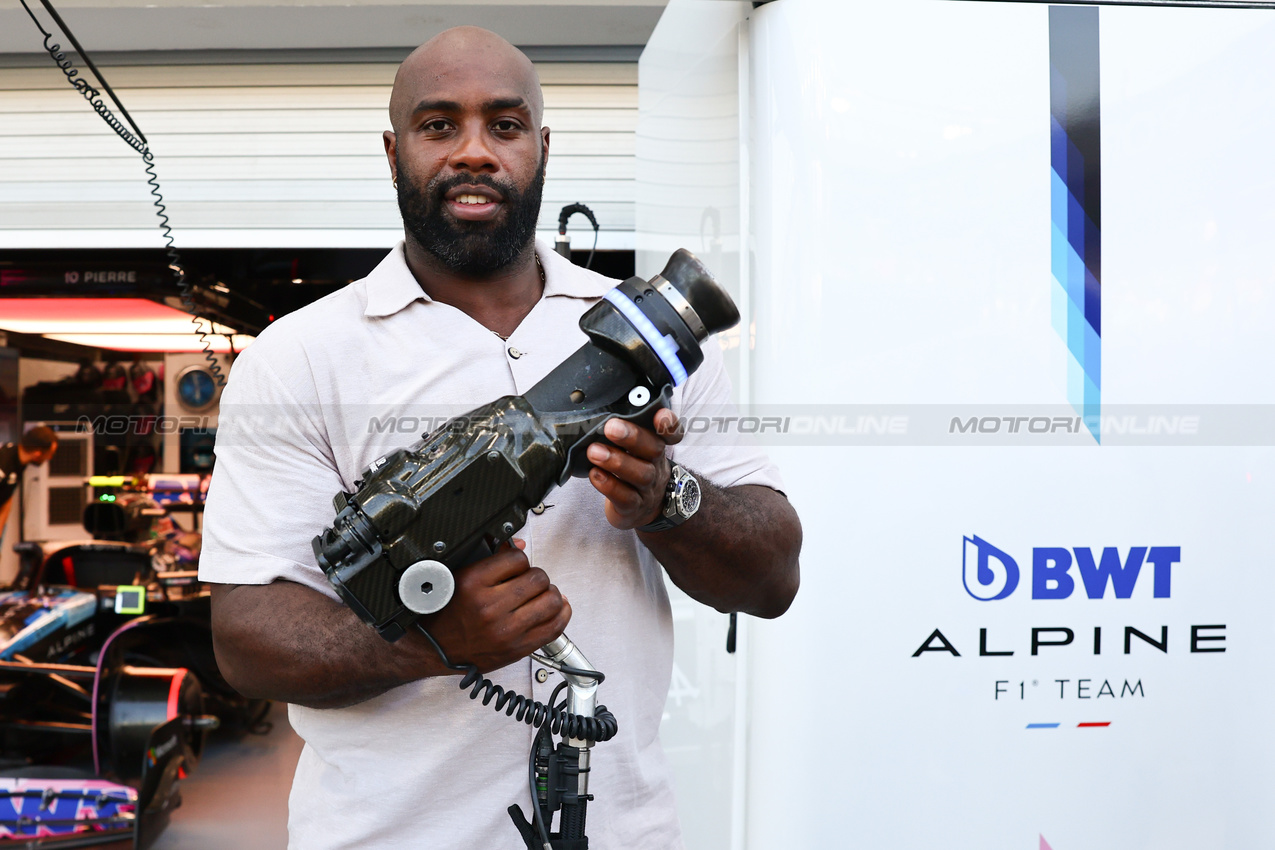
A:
[1083,725]
[69,569]
[174,690]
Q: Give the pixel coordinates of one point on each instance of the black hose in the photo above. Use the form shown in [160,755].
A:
[570,210]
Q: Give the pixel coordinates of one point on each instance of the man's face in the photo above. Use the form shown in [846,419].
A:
[438,215]
[470,161]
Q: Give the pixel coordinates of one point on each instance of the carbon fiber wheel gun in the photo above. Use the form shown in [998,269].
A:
[456,495]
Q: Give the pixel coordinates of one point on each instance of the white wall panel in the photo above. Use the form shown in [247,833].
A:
[291,149]
[274,97]
[233,122]
[335,74]
[902,222]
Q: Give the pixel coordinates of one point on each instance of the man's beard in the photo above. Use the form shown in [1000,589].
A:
[471,249]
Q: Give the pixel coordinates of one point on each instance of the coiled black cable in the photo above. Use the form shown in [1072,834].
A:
[179,271]
[601,727]
[137,141]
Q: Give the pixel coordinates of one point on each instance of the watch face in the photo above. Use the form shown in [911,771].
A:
[196,388]
[688,496]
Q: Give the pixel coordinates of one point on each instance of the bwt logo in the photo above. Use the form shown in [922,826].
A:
[990,573]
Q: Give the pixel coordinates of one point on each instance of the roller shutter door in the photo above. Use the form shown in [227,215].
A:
[271,155]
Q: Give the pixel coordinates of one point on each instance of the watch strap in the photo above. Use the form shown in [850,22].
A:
[661,523]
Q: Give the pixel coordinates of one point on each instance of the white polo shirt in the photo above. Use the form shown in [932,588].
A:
[328,389]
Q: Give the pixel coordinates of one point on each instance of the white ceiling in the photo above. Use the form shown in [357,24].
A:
[140,25]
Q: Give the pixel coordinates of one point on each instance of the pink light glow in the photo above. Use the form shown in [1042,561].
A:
[95,316]
[154,342]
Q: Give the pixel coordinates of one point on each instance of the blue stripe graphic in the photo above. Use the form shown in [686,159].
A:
[1075,203]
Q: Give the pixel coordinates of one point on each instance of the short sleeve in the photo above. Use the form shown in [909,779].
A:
[715,444]
[272,480]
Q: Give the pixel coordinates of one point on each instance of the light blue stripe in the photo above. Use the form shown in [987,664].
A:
[1076,331]
[1093,355]
[1067,266]
[1058,307]
[1076,279]
[1058,253]
[663,346]
[1043,725]
[1058,201]
[1075,384]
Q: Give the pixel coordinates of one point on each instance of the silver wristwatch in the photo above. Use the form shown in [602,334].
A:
[681,501]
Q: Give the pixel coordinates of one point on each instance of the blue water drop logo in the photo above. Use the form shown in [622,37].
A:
[989,573]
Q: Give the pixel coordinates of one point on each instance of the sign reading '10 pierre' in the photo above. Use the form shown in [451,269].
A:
[990,574]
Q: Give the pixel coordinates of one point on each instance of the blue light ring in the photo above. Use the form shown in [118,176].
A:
[663,347]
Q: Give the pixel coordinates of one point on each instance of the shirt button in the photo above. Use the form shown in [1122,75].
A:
[514,353]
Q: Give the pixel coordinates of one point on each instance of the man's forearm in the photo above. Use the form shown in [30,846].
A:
[738,553]
[287,642]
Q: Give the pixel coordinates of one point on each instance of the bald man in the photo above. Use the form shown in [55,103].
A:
[468,308]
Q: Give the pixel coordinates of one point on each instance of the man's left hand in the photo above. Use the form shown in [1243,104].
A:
[633,474]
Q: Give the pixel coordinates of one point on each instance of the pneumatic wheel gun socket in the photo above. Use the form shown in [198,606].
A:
[422,512]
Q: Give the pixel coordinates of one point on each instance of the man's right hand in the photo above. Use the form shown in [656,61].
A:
[289,642]
[503,610]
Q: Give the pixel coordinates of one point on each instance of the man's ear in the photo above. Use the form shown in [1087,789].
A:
[391,153]
[544,145]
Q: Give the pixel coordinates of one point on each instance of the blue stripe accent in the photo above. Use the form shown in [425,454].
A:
[1043,725]
[63,612]
[662,345]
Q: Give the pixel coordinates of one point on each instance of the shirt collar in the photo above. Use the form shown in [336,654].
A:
[391,286]
[563,277]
